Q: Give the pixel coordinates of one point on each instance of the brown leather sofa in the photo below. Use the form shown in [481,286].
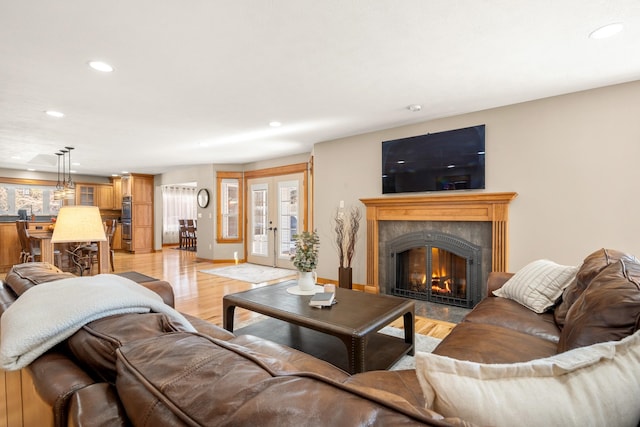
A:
[140,369]
[601,304]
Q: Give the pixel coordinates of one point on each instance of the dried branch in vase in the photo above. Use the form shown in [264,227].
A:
[346,234]
[354,224]
[339,228]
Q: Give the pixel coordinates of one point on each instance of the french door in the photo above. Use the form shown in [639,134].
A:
[274,213]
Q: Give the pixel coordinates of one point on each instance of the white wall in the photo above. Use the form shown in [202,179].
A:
[574,161]
[205,177]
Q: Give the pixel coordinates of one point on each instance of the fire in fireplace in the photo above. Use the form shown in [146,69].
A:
[436,267]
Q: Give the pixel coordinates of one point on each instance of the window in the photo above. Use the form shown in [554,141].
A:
[229,207]
[35,199]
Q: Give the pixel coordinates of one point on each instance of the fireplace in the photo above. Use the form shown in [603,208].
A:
[479,218]
[436,267]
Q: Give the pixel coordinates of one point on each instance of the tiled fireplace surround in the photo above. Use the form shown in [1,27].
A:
[481,218]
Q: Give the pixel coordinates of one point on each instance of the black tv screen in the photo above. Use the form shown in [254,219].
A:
[442,161]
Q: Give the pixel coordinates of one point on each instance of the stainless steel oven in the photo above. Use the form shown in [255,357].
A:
[126,209]
[127,232]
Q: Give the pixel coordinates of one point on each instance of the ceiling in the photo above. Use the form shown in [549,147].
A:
[198,81]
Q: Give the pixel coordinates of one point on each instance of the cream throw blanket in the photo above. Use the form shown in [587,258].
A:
[49,313]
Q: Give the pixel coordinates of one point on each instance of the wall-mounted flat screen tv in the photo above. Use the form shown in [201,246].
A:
[442,161]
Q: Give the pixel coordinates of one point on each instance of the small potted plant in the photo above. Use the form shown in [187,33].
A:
[305,258]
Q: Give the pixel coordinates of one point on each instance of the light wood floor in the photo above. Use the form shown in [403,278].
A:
[200,294]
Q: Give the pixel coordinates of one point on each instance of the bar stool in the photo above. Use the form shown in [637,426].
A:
[30,248]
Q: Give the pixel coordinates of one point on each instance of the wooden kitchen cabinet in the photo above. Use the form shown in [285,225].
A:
[116,183]
[105,196]
[101,195]
[142,187]
[9,246]
[86,195]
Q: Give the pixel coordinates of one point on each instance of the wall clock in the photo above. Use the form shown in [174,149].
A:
[203,198]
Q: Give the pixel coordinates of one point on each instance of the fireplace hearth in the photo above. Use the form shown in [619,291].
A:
[434,266]
[480,218]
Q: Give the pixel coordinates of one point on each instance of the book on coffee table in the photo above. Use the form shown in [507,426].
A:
[322,299]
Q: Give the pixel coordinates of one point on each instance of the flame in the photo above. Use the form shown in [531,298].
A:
[436,288]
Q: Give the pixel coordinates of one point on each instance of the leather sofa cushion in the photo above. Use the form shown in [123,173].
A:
[608,310]
[512,315]
[190,379]
[301,361]
[21,277]
[207,328]
[482,343]
[403,383]
[95,345]
[590,268]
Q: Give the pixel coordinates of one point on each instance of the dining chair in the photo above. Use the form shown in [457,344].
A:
[192,237]
[30,248]
[182,232]
[110,226]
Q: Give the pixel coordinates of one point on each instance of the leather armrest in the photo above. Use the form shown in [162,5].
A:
[495,281]
[96,405]
[7,297]
[163,289]
[56,378]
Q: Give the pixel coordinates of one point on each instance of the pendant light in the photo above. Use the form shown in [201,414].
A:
[58,194]
[69,186]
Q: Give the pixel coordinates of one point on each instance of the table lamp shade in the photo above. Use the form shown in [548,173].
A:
[78,224]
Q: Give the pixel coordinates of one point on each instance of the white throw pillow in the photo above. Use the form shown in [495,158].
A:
[538,285]
[596,385]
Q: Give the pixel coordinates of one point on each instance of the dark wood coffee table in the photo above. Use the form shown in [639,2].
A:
[345,334]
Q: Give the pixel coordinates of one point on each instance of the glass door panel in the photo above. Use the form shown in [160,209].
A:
[259,220]
[287,221]
[274,219]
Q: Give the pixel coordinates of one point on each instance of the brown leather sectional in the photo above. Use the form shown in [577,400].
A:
[143,370]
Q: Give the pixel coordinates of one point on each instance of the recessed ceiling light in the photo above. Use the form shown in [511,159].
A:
[52,113]
[414,108]
[31,170]
[275,124]
[606,31]
[101,66]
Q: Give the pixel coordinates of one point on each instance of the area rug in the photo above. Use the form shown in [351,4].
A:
[424,343]
[251,273]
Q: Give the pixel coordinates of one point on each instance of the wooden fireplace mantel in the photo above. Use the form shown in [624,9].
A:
[488,207]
